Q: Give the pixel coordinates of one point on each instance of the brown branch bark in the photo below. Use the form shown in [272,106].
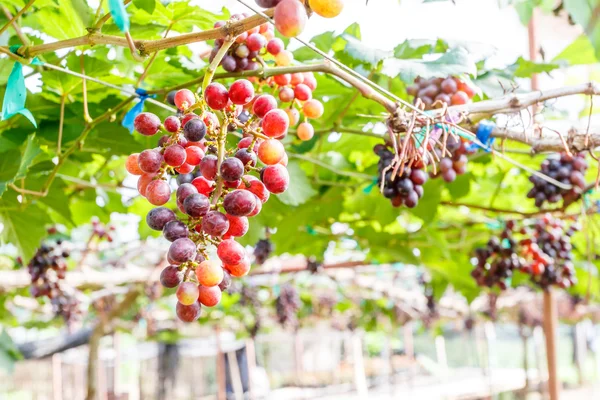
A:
[146,47]
[577,140]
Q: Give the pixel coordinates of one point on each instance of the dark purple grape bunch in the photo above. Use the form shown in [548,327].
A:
[496,262]
[101,230]
[313,265]
[244,54]
[567,169]
[47,270]
[262,251]
[553,239]
[287,305]
[453,164]
[402,189]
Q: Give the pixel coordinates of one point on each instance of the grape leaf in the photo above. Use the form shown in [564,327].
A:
[146,5]
[579,52]
[300,189]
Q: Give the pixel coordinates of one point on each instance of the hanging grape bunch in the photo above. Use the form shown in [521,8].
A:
[453,162]
[287,305]
[495,263]
[217,204]
[567,169]
[262,251]
[434,92]
[47,270]
[549,250]
[403,189]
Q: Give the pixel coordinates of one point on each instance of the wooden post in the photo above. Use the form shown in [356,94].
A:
[360,379]
[234,373]
[525,363]
[221,383]
[116,365]
[57,387]
[298,358]
[251,359]
[442,359]
[550,327]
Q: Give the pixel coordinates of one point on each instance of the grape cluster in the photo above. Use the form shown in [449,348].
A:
[215,205]
[102,231]
[435,92]
[495,263]
[47,269]
[567,169]
[262,251]
[406,188]
[287,305]
[544,252]
[550,250]
[453,164]
[313,265]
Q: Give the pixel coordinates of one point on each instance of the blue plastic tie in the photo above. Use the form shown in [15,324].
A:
[16,92]
[368,189]
[119,14]
[484,132]
[136,109]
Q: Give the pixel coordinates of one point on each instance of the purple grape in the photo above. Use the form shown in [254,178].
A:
[412,199]
[196,205]
[449,175]
[185,190]
[239,203]
[215,223]
[246,157]
[171,277]
[174,230]
[158,217]
[232,169]
[171,97]
[189,313]
[194,130]
[228,63]
[208,167]
[184,178]
[226,282]
[182,250]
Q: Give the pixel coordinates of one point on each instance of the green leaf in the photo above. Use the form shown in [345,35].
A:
[9,167]
[427,207]
[9,353]
[460,187]
[146,5]
[525,68]
[581,51]
[363,53]
[300,189]
[454,62]
[584,13]
[24,229]
[32,150]
[63,22]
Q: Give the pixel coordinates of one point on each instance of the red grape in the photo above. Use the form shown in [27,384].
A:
[241,92]
[290,17]
[187,293]
[232,169]
[184,99]
[143,182]
[182,250]
[146,123]
[209,296]
[216,96]
[276,178]
[194,155]
[305,131]
[158,192]
[203,185]
[171,277]
[175,155]
[270,151]
[246,157]
[215,223]
[274,46]
[286,94]
[313,109]
[132,166]
[276,122]
[230,251]
[196,205]
[172,124]
[209,273]
[158,217]
[263,104]
[150,161]
[174,230]
[239,270]
[189,313]
[283,80]
[194,130]
[239,203]
[256,42]
[238,226]
[208,167]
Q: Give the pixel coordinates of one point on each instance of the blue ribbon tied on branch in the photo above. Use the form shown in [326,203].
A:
[16,92]
[136,110]
[484,133]
[119,14]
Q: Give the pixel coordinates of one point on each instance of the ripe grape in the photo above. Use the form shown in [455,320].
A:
[232,169]
[185,168]
[263,104]
[188,313]
[239,202]
[196,205]
[302,92]
[256,42]
[271,151]
[276,122]
[184,99]
[150,161]
[171,97]
[216,96]
[246,142]
[290,18]
[283,80]
[226,282]
[188,117]
[203,185]
[158,192]
[187,293]
[230,251]
[158,217]
[293,115]
[310,80]
[132,164]
[262,251]
[209,273]
[215,223]
[459,98]
[146,123]
[313,109]
[246,157]
[241,92]
[208,167]
[184,178]
[174,230]
[193,155]
[143,183]
[256,187]
[209,296]
[327,8]
[274,46]
[171,277]
[434,92]
[194,130]
[267,3]
[284,58]
[240,269]
[276,178]
[172,124]
[182,250]
[305,131]
[238,226]
[175,155]
[286,94]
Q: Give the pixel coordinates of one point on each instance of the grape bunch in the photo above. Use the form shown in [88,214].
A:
[291,16]
[102,231]
[453,164]
[567,169]
[47,269]
[262,251]
[287,305]
[495,263]
[214,207]
[405,189]
[550,250]
[435,92]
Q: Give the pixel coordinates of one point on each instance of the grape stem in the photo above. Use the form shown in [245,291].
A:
[16,16]
[210,72]
[220,156]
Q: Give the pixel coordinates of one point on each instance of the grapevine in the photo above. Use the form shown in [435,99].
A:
[287,305]
[440,92]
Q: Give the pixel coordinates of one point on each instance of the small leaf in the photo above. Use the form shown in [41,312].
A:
[579,52]
[24,229]
[146,5]
[525,68]
[300,189]
[363,53]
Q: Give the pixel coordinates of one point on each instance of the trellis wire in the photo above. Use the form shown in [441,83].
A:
[407,104]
